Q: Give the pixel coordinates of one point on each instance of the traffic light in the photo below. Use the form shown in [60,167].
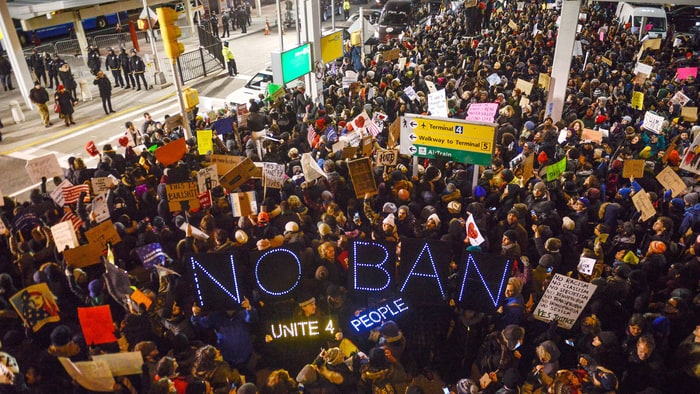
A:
[170,32]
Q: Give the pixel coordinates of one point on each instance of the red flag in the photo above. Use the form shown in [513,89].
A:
[71,193]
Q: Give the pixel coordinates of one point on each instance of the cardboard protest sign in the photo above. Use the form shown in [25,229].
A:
[362,176]
[310,168]
[102,184]
[528,167]
[544,81]
[638,100]
[84,255]
[642,202]
[482,112]
[554,170]
[524,86]
[387,157]
[633,168]
[91,375]
[64,236]
[45,166]
[594,136]
[586,265]
[652,44]
[394,133]
[689,114]
[122,364]
[100,208]
[564,300]
[273,175]
[437,103]
[685,72]
[367,144]
[653,122]
[36,305]
[348,152]
[171,152]
[391,54]
[244,204]
[182,192]
[238,175]
[97,325]
[102,234]
[671,181]
[225,163]
[151,255]
[513,25]
[205,143]
[207,178]
[606,61]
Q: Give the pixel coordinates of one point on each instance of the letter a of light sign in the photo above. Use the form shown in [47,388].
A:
[433,274]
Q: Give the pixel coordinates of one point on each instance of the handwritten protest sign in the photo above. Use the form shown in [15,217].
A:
[564,300]
[685,72]
[64,236]
[680,98]
[524,86]
[207,178]
[437,103]
[387,157]
[544,81]
[83,255]
[122,364]
[689,114]
[239,174]
[44,166]
[652,44]
[642,202]
[92,375]
[591,135]
[653,122]
[362,176]
[310,168]
[244,204]
[431,86]
[205,143]
[100,208]
[482,112]
[586,265]
[181,192]
[671,181]
[554,170]
[637,100]
[642,68]
[273,175]
[225,163]
[151,254]
[102,234]
[633,168]
[102,184]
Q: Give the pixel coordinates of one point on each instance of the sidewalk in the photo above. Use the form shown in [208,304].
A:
[17,134]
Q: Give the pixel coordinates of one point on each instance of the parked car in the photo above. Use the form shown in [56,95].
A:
[256,85]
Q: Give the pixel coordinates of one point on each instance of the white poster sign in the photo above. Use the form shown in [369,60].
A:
[64,235]
[653,122]
[273,175]
[100,208]
[207,178]
[44,166]
[585,265]
[564,300]
[437,103]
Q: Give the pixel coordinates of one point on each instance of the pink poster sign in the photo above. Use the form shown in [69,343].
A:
[685,72]
[482,112]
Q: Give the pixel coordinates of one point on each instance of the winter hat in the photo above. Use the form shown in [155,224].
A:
[95,287]
[390,331]
[389,207]
[607,379]
[307,375]
[691,199]
[241,237]
[389,220]
[454,207]
[513,334]
[432,174]
[479,192]
[568,224]
[291,227]
[263,217]
[334,356]
[678,203]
[487,174]
[61,335]
[511,235]
[530,125]
[625,192]
[434,217]
[507,175]
[307,301]
[540,186]
[584,201]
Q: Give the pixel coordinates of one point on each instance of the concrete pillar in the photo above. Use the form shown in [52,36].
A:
[562,58]
[12,46]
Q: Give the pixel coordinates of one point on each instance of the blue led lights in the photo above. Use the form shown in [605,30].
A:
[257,276]
[434,274]
[470,261]
[379,266]
[196,267]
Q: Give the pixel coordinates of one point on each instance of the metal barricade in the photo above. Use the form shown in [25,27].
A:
[69,47]
[200,62]
[116,40]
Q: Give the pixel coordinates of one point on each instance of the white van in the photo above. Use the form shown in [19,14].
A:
[635,14]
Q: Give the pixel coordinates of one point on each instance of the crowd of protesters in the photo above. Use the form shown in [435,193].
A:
[640,332]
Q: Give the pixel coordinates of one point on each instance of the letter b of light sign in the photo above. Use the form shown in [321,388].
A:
[368,261]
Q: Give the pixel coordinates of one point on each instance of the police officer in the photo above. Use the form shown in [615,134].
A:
[230,60]
[138,68]
[114,65]
[126,68]
[94,61]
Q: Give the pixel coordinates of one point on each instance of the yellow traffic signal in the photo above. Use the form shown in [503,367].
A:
[170,32]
